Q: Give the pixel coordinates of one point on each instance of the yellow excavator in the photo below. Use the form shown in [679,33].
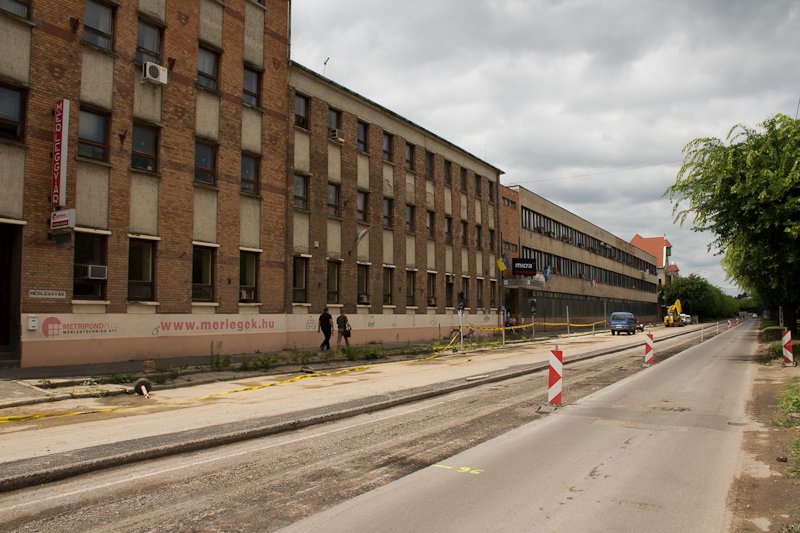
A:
[673,316]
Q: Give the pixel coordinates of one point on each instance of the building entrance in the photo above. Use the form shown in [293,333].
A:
[9,291]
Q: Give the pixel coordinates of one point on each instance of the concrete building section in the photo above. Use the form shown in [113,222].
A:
[97,79]
[581,270]
[15,41]
[91,196]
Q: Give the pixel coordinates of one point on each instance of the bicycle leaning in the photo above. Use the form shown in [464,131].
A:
[469,334]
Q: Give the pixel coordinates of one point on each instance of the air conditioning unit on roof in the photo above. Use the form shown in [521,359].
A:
[154,73]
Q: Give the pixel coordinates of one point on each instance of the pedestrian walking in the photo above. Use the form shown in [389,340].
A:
[325,325]
[343,329]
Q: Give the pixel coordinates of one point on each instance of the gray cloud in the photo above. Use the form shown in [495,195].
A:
[553,91]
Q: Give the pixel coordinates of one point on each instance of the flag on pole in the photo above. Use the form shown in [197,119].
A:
[502,263]
[360,235]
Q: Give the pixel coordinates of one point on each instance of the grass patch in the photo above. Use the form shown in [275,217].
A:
[218,363]
[363,353]
[789,400]
[789,406]
[792,528]
[775,350]
[118,379]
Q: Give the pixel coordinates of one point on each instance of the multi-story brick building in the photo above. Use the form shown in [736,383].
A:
[172,185]
[388,219]
[155,130]
[582,271]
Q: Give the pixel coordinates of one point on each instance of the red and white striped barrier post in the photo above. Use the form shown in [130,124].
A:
[554,382]
[649,352]
[729,324]
[788,353]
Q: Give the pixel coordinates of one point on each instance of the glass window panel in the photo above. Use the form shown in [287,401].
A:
[10,104]
[92,127]
[98,16]
[15,7]
[148,43]
[207,62]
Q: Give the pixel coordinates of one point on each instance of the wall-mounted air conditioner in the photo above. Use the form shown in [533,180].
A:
[431,302]
[91,271]
[363,299]
[247,295]
[154,73]
[336,135]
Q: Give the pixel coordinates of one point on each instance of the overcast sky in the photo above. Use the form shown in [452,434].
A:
[587,103]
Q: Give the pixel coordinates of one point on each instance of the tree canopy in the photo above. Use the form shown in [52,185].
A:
[746,191]
[699,297]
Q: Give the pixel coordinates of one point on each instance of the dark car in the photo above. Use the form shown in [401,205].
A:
[623,321]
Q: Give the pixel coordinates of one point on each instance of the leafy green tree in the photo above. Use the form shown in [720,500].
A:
[746,191]
[699,297]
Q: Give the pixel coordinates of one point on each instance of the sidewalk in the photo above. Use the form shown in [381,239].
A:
[81,435]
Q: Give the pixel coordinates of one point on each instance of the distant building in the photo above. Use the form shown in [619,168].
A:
[661,249]
[581,270]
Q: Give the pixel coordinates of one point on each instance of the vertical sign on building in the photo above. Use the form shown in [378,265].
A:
[58,181]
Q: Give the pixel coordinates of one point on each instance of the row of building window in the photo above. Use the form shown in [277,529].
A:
[89,279]
[539,223]
[95,125]
[301,201]
[99,29]
[412,296]
[575,269]
[301,119]
[93,142]
[89,276]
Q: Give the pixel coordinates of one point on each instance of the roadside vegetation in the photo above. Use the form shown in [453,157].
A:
[745,191]
[788,405]
[699,297]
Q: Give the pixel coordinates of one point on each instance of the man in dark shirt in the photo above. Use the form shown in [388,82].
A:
[343,328]
[326,326]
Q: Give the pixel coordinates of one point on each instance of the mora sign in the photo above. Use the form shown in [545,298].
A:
[523,267]
[58,180]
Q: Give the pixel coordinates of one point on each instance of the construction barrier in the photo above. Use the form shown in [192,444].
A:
[554,381]
[529,324]
[788,353]
[649,352]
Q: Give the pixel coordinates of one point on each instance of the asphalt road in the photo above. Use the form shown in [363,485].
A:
[654,452]
[268,483]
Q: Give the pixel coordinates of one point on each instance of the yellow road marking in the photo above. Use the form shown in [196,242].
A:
[37,416]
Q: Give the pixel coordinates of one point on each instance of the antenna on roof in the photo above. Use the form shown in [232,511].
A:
[325,64]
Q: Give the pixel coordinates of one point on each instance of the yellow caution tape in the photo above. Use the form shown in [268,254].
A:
[37,416]
[524,326]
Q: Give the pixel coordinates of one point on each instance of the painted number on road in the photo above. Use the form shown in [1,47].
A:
[461,469]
